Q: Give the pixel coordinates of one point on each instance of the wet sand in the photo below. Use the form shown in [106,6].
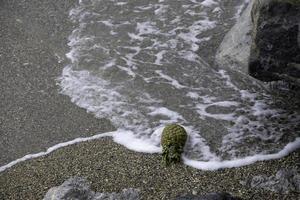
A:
[34,116]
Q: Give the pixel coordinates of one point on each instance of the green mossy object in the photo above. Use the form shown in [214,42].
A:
[172,141]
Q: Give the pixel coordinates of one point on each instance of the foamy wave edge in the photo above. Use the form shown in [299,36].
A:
[140,145]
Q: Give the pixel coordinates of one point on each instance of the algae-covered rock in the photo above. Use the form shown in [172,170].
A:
[172,141]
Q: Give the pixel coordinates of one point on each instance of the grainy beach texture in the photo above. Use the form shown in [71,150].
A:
[110,168]
[35,116]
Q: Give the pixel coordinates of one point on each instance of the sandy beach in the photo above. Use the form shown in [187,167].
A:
[35,116]
[110,168]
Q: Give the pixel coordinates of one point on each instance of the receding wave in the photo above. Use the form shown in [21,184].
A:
[139,64]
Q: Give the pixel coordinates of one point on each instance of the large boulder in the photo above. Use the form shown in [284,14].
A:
[265,41]
[275,49]
[234,51]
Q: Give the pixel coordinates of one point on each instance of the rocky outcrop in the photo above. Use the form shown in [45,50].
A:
[265,42]
[275,49]
[285,181]
[234,50]
[78,188]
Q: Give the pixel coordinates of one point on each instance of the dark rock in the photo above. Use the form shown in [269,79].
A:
[78,188]
[265,42]
[209,196]
[275,49]
[285,181]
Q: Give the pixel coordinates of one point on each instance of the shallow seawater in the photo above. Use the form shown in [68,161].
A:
[144,64]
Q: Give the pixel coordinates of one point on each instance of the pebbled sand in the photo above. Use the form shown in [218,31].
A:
[34,116]
[110,167]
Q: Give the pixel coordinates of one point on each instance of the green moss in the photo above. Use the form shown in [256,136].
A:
[173,140]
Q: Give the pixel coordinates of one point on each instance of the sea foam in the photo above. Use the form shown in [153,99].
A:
[141,69]
[151,74]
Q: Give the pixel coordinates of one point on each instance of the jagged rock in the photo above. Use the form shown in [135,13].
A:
[73,188]
[285,181]
[275,49]
[78,188]
[234,51]
[265,41]
[209,196]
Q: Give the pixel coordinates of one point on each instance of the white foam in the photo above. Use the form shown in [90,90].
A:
[201,109]
[121,3]
[159,57]
[208,99]
[166,42]
[127,70]
[161,9]
[194,30]
[146,28]
[227,78]
[132,142]
[54,148]
[110,64]
[208,3]
[134,36]
[189,55]
[172,81]
[150,145]
[123,137]
[107,23]
[215,165]
[172,115]
[199,145]
[217,10]
[193,95]
[240,8]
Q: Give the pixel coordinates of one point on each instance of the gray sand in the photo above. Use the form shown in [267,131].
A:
[110,167]
[33,115]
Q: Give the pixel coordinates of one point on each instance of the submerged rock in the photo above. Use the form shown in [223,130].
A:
[173,140]
[209,196]
[77,188]
[285,181]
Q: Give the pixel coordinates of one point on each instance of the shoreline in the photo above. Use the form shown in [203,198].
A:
[110,167]
[36,117]
[200,165]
